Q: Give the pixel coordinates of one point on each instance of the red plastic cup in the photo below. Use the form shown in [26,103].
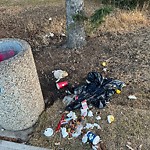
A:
[6,54]
[60,85]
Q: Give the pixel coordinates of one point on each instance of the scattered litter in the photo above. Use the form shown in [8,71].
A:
[57,144]
[96,91]
[84,104]
[91,137]
[132,97]
[91,126]
[118,91]
[78,131]
[129,147]
[72,115]
[48,132]
[104,69]
[110,118]
[64,132]
[90,113]
[98,118]
[84,138]
[104,64]
[84,112]
[65,121]
[60,85]
[59,74]
[67,99]
[59,124]
[97,125]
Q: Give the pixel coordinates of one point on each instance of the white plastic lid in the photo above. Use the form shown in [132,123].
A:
[48,132]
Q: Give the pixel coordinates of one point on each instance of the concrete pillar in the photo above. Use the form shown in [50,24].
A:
[21,100]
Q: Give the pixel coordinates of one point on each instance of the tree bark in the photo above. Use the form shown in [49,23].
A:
[75,29]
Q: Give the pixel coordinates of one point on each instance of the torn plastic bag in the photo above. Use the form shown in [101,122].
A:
[97,91]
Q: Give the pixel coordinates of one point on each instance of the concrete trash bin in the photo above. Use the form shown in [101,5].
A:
[21,100]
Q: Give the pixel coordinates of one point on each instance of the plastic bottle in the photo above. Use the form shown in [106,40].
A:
[94,139]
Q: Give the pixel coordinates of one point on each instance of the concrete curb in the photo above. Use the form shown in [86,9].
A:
[5,145]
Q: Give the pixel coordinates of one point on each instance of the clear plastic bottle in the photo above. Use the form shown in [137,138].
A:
[94,139]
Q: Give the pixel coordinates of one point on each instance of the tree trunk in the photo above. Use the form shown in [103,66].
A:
[75,29]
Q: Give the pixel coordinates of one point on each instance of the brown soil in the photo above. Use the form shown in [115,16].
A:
[128,59]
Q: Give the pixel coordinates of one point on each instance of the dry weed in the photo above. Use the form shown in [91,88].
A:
[13,10]
[125,21]
[57,25]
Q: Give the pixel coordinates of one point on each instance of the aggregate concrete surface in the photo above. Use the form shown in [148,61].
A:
[21,100]
[5,145]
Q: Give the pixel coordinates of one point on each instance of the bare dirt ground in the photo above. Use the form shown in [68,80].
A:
[128,59]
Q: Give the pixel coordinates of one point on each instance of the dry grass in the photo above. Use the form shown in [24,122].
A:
[11,10]
[125,21]
[57,25]
[28,2]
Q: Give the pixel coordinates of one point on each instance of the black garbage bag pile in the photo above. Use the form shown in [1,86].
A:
[96,91]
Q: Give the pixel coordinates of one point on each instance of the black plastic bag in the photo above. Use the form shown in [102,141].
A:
[97,91]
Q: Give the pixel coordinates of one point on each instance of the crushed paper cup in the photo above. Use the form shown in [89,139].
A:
[110,118]
[59,74]
[48,132]
[60,85]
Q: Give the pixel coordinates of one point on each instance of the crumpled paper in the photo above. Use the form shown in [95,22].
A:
[59,74]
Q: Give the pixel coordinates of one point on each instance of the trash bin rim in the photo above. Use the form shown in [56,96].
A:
[24,46]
